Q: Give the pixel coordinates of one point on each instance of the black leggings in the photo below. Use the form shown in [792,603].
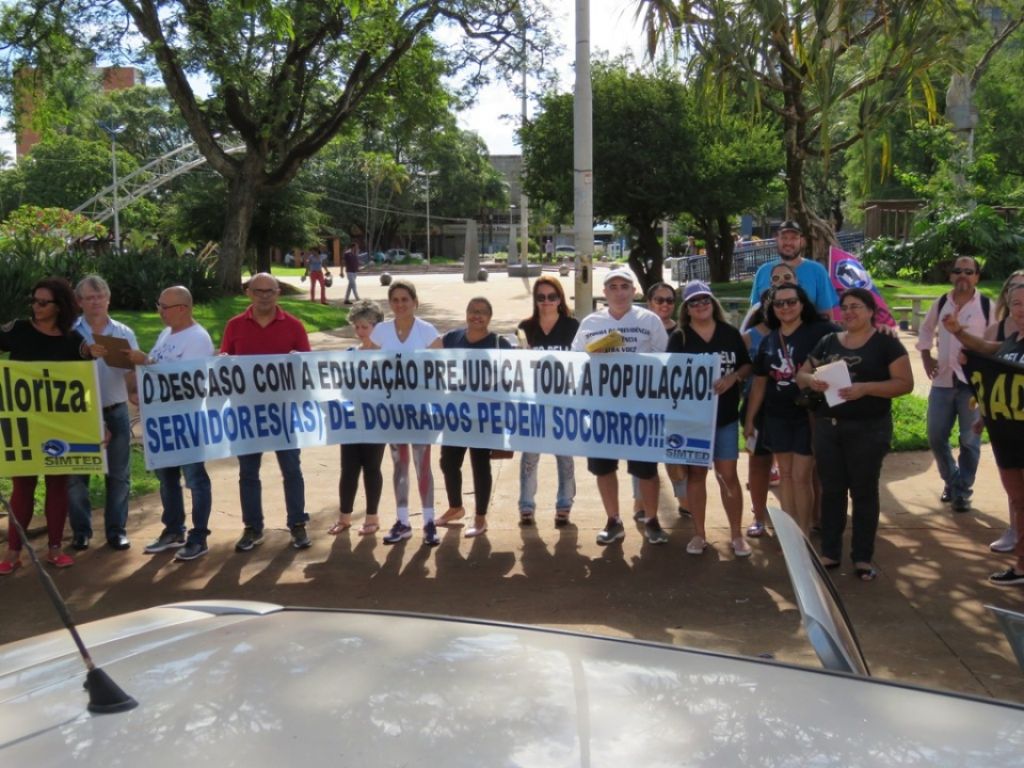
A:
[452,457]
[365,458]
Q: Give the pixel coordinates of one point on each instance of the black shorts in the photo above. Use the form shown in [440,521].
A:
[787,435]
[644,470]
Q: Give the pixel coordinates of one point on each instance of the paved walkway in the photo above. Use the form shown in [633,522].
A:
[923,621]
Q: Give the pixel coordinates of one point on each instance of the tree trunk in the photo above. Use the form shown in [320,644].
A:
[720,245]
[645,258]
[243,193]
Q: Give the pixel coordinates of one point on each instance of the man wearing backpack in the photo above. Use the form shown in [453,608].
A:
[951,398]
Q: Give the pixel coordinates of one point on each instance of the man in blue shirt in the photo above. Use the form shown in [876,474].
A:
[811,275]
[93,295]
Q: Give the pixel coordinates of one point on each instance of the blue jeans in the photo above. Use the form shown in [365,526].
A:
[173,500]
[566,493]
[946,404]
[118,479]
[251,490]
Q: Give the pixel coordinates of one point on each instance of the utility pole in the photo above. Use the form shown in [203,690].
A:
[583,164]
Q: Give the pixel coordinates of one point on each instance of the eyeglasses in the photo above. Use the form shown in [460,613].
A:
[663,300]
[783,279]
[546,297]
[780,303]
[700,301]
[852,307]
[168,306]
[40,302]
[263,291]
[961,271]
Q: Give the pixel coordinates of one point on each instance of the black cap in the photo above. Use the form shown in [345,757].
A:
[791,225]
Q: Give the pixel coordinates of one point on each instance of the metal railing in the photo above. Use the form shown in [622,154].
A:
[747,258]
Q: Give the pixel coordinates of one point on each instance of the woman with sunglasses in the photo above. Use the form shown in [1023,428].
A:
[852,437]
[703,330]
[476,335]
[795,327]
[406,333]
[661,300]
[762,471]
[45,337]
[551,328]
[1006,445]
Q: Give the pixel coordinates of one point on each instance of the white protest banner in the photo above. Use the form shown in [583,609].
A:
[647,407]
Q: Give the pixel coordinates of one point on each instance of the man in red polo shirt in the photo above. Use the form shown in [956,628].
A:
[266,329]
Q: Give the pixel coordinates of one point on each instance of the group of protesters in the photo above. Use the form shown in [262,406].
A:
[827,435]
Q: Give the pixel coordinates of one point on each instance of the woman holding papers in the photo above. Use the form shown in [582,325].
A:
[45,337]
[853,428]
[703,330]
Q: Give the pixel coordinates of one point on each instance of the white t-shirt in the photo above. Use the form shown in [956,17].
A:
[187,344]
[641,329]
[421,335]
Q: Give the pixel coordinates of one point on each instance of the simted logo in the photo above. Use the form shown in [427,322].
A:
[54,447]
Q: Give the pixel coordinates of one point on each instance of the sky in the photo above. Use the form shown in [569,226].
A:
[612,29]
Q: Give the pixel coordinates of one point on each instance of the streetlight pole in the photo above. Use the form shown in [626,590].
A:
[112,131]
[427,175]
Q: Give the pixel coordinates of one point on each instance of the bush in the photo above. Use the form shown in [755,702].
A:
[136,278]
[941,235]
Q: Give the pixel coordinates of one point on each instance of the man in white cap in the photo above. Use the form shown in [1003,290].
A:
[641,331]
[810,275]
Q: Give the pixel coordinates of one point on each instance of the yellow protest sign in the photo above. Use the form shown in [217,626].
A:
[51,420]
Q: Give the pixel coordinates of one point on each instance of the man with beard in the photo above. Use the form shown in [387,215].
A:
[951,397]
[810,275]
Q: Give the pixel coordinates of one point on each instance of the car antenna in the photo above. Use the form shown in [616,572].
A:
[105,696]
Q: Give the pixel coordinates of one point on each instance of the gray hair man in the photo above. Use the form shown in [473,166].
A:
[93,294]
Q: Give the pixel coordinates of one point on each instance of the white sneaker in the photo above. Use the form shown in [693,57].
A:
[696,546]
[740,548]
[1006,542]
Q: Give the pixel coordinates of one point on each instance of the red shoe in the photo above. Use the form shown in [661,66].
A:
[774,478]
[58,559]
[7,567]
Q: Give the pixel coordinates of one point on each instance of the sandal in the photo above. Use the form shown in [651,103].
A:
[453,514]
[561,518]
[865,574]
[340,526]
[368,529]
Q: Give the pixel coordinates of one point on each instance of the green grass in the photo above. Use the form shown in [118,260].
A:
[889,288]
[144,482]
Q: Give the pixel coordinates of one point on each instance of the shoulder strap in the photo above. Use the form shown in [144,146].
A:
[986,305]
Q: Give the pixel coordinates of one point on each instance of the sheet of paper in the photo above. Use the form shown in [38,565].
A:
[117,350]
[837,376]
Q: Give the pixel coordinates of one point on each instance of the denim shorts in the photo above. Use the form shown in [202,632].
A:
[727,442]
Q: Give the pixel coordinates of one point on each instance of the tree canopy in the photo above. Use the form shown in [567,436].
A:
[655,157]
[285,75]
